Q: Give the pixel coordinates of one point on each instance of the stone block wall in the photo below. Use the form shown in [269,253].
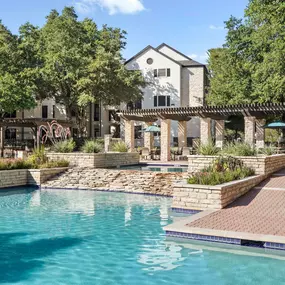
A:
[23,177]
[203,197]
[132,181]
[39,176]
[13,178]
[260,164]
[97,160]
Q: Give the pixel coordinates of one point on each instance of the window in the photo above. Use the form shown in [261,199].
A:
[44,112]
[149,61]
[162,72]
[53,111]
[96,112]
[161,101]
[138,132]
[112,115]
[73,114]
[97,132]
[10,115]
[10,134]
[134,105]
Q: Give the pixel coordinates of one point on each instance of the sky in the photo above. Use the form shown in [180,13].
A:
[190,26]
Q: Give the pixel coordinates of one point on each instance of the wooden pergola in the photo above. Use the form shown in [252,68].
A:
[254,118]
[33,123]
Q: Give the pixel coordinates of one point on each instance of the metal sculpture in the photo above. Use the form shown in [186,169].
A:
[54,132]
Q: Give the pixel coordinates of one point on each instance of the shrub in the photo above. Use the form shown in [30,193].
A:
[239,149]
[208,149]
[223,170]
[64,146]
[9,164]
[54,164]
[92,146]
[267,150]
[119,147]
[37,157]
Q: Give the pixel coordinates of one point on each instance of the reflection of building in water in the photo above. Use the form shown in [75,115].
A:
[162,257]
[128,214]
[35,199]
[164,213]
[82,202]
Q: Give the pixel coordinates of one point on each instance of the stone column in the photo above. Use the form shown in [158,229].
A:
[220,133]
[249,130]
[165,140]
[148,138]
[2,138]
[107,142]
[182,133]
[130,135]
[260,133]
[205,130]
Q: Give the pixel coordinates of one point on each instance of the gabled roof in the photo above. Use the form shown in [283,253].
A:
[183,63]
[191,62]
[175,50]
[150,47]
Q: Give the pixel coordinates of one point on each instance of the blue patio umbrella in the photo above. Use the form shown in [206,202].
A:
[151,129]
[275,125]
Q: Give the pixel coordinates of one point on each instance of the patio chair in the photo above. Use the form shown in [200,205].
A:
[145,153]
[184,154]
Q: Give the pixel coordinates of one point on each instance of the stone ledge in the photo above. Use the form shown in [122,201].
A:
[202,197]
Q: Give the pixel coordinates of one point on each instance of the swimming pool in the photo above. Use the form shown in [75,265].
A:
[157,168]
[84,237]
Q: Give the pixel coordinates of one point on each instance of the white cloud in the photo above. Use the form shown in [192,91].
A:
[112,6]
[213,27]
[193,55]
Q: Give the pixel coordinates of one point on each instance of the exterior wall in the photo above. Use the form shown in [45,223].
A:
[23,177]
[203,197]
[260,164]
[13,178]
[97,160]
[39,176]
[171,53]
[132,181]
[158,85]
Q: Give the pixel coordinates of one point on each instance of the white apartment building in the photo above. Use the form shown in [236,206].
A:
[174,80]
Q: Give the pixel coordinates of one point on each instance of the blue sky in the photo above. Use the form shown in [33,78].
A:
[190,26]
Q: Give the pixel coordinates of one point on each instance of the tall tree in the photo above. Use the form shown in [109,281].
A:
[251,66]
[15,92]
[78,64]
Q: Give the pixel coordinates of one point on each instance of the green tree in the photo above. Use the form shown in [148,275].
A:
[251,67]
[15,91]
[77,64]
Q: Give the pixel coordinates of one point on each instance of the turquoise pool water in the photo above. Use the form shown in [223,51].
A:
[81,237]
[156,168]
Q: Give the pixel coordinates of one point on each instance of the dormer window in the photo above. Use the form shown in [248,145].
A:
[161,72]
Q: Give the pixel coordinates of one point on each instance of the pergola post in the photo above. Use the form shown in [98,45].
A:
[107,142]
[165,140]
[182,133]
[130,134]
[249,130]
[220,133]
[205,129]
[2,138]
[148,137]
[260,133]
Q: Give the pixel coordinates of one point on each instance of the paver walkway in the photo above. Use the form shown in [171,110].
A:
[260,211]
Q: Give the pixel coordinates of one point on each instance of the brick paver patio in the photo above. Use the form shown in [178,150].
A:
[260,211]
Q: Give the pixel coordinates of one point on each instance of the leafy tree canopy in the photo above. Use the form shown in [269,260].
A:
[251,65]
[73,62]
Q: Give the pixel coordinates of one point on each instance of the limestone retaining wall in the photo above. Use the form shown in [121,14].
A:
[23,177]
[97,160]
[133,181]
[260,164]
[203,197]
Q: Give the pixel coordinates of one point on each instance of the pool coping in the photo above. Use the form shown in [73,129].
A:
[181,230]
